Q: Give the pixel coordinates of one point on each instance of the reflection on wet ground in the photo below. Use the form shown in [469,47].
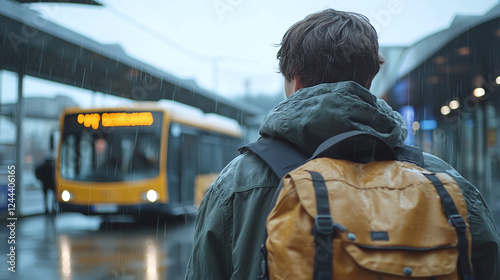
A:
[73,246]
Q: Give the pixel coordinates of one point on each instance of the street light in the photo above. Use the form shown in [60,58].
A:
[454,104]
[479,92]
[445,110]
[415,126]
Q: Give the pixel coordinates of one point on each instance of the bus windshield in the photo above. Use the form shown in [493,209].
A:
[110,154]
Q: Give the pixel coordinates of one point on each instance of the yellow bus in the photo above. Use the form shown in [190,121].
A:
[148,159]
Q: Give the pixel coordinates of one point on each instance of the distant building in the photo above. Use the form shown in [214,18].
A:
[40,121]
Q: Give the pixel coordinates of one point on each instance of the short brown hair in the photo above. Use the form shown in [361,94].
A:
[330,46]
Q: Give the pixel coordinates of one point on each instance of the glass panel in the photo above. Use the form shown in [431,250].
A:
[110,154]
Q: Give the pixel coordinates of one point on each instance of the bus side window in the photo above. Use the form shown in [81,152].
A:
[189,165]
[173,162]
[212,159]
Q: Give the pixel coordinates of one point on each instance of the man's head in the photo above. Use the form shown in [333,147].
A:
[327,47]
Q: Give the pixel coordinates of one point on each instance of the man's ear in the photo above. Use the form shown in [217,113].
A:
[298,83]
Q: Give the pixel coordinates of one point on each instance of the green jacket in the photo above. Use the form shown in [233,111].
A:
[230,226]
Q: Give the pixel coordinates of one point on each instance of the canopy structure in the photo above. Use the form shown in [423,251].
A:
[33,46]
[446,65]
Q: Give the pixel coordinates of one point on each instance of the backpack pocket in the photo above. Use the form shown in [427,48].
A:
[402,261]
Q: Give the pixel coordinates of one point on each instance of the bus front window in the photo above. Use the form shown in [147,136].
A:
[121,154]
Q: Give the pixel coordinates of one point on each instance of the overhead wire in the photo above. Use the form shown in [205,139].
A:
[154,33]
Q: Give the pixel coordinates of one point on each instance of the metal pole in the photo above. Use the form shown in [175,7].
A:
[215,73]
[480,150]
[486,158]
[1,104]
[19,134]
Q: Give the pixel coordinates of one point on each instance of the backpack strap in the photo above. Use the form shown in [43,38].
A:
[364,147]
[356,146]
[411,154]
[458,223]
[280,155]
[324,230]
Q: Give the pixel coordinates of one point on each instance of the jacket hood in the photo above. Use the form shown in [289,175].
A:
[311,115]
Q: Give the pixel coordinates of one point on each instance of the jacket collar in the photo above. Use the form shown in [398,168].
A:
[311,115]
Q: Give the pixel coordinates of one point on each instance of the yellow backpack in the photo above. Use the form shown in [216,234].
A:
[359,209]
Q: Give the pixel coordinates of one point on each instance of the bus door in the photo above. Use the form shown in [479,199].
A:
[188,167]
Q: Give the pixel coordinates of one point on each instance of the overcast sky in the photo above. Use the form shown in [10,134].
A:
[228,45]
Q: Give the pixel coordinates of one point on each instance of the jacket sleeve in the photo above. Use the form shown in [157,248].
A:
[211,256]
[485,240]
[485,245]
[226,247]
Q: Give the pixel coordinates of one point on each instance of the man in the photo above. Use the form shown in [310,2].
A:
[45,173]
[329,60]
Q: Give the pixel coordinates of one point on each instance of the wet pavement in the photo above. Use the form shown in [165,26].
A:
[73,246]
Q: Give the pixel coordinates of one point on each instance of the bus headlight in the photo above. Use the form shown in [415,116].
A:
[152,196]
[65,196]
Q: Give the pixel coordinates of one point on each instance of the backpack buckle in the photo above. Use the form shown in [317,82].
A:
[458,222]
[323,224]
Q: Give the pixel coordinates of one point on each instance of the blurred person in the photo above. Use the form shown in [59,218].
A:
[140,162]
[328,60]
[45,172]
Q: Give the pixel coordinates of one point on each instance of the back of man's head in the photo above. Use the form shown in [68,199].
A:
[330,46]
